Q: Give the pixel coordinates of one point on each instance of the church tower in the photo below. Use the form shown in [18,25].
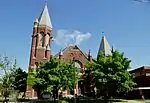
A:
[41,39]
[41,44]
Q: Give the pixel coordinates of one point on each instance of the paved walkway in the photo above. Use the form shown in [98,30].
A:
[129,101]
[134,101]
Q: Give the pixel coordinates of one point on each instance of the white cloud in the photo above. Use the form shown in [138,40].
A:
[143,1]
[65,37]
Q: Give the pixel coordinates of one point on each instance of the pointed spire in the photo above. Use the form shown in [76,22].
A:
[104,47]
[45,18]
[89,52]
[36,20]
[89,55]
[112,48]
[60,53]
[48,47]
[36,23]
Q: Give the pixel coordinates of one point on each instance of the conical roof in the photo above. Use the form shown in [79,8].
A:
[45,18]
[104,47]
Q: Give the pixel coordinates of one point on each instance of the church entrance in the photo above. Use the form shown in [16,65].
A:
[80,85]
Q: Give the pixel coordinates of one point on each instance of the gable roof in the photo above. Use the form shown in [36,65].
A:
[72,46]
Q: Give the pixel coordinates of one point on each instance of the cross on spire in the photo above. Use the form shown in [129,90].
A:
[45,2]
[102,33]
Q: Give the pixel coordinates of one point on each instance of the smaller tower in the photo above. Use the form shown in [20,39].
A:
[48,52]
[104,48]
[60,54]
[89,55]
[113,49]
[36,23]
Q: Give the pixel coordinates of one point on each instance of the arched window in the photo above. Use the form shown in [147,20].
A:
[78,65]
[47,39]
[42,39]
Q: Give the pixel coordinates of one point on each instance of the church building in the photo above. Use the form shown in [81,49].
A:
[41,50]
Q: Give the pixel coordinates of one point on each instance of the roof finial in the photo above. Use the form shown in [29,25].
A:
[113,49]
[45,2]
[90,52]
[102,33]
[61,52]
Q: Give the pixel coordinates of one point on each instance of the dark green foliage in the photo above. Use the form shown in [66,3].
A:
[110,75]
[20,78]
[1,65]
[23,100]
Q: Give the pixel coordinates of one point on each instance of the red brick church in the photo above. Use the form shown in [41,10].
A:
[41,49]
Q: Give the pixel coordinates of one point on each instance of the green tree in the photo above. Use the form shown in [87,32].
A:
[89,79]
[111,76]
[13,78]
[19,81]
[1,65]
[53,75]
[31,79]
[7,66]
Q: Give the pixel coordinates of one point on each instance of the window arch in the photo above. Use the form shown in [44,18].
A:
[78,65]
[47,39]
[42,39]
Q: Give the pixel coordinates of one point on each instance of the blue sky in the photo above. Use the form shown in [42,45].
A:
[126,25]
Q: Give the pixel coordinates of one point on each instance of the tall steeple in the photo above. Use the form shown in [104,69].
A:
[41,43]
[41,38]
[45,18]
[104,47]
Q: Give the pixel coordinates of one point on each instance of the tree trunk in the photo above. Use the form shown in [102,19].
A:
[56,93]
